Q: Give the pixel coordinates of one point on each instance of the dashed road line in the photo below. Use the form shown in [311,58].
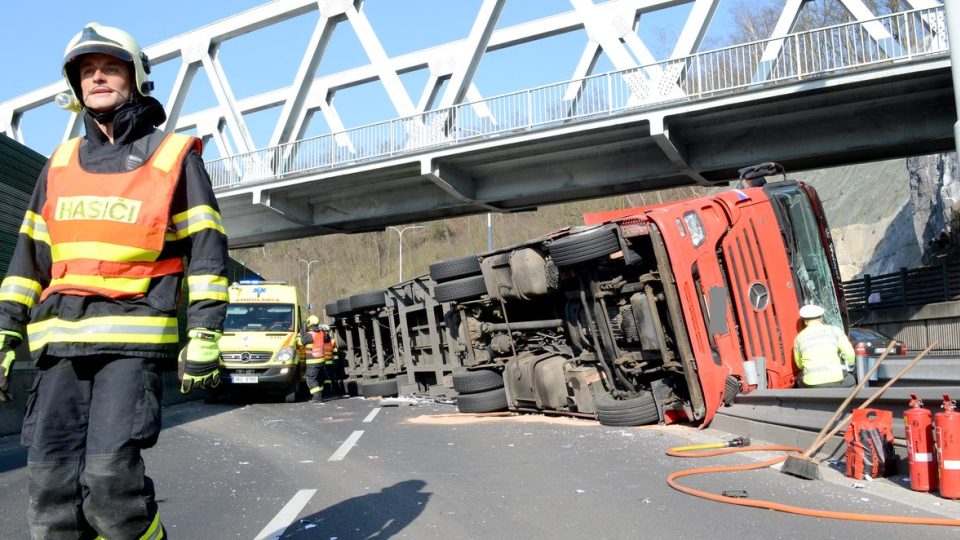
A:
[346,446]
[285,517]
[372,415]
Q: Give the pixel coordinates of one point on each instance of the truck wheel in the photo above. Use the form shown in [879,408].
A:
[481,402]
[343,305]
[460,289]
[584,246]
[351,388]
[386,388]
[373,299]
[636,411]
[481,380]
[331,309]
[468,265]
[730,390]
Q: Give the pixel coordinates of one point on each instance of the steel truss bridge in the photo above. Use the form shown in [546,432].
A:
[877,87]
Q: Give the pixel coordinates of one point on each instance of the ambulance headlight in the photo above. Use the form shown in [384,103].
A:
[284,355]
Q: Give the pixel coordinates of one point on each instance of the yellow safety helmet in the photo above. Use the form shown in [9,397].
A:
[313,320]
[96,38]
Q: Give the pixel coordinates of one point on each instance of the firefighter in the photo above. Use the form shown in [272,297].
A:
[329,363]
[315,357]
[117,219]
[823,352]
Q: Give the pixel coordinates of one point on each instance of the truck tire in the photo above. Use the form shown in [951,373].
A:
[386,388]
[367,300]
[331,309]
[481,402]
[343,306]
[460,289]
[584,246]
[457,267]
[731,388]
[636,411]
[481,380]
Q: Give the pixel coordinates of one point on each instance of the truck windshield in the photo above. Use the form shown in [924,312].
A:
[259,318]
[808,255]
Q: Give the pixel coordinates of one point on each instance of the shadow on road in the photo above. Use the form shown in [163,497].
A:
[377,515]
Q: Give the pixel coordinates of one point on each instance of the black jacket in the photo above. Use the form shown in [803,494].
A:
[204,250]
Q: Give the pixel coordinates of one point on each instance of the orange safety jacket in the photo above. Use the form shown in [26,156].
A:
[316,351]
[106,234]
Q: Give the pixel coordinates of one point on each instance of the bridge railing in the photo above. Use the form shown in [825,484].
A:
[897,37]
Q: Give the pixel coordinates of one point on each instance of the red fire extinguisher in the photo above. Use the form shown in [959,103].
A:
[919,433]
[948,448]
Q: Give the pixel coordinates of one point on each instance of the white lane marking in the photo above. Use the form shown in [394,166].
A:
[282,520]
[372,415]
[346,446]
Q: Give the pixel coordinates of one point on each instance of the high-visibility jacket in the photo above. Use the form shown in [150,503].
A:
[316,349]
[821,351]
[106,235]
[113,313]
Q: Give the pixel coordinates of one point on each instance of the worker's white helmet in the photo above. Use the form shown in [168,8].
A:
[811,311]
[96,38]
[313,320]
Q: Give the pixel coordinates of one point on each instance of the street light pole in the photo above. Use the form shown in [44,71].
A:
[309,264]
[400,234]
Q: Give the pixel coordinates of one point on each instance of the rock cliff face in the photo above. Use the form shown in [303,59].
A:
[890,214]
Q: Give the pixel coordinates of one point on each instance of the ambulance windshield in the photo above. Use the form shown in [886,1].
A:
[259,318]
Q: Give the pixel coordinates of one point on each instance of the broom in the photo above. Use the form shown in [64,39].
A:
[802,465]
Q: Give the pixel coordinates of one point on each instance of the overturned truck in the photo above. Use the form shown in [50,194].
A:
[643,315]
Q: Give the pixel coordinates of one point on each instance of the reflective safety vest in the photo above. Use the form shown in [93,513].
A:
[107,229]
[820,350]
[316,350]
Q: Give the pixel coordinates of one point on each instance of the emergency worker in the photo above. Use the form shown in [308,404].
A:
[329,359]
[118,217]
[315,357]
[823,352]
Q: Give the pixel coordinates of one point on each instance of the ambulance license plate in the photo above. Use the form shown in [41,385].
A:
[241,379]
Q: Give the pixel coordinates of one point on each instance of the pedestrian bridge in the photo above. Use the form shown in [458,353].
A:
[827,97]
[876,88]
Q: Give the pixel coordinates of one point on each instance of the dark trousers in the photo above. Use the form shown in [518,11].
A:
[312,377]
[87,420]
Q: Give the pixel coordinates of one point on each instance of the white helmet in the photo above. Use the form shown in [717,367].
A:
[313,320]
[811,311]
[95,38]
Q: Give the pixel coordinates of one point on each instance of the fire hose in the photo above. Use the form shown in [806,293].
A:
[740,445]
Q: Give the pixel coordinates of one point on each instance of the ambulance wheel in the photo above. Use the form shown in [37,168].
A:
[351,388]
[457,267]
[481,380]
[483,402]
[293,394]
[387,388]
[584,246]
[636,411]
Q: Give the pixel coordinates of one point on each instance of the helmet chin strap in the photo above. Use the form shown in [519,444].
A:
[106,117]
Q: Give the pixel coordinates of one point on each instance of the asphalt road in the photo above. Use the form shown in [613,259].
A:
[350,469]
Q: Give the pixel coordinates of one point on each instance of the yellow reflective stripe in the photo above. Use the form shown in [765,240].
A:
[170,237]
[127,285]
[20,290]
[196,219]
[170,151]
[207,287]
[316,390]
[154,531]
[61,156]
[101,251]
[35,227]
[111,329]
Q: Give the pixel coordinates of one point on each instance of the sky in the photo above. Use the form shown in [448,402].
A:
[36,33]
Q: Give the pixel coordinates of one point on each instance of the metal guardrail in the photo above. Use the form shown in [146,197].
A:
[908,287]
[859,45]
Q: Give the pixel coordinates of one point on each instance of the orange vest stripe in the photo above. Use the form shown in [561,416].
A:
[123,218]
